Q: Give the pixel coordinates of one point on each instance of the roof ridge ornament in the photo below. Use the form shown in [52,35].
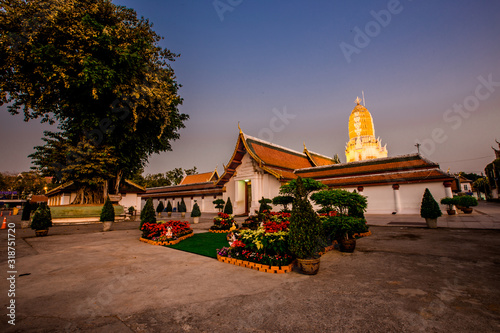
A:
[357,100]
[239,127]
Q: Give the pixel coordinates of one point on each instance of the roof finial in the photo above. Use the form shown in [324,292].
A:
[239,127]
[357,101]
[305,146]
[363,93]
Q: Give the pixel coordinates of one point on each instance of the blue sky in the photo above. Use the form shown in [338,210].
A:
[430,74]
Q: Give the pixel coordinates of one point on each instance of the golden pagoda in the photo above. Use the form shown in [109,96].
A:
[362,143]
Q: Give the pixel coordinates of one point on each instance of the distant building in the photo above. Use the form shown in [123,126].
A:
[362,143]
[492,171]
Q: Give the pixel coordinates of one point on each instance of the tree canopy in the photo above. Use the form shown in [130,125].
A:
[97,71]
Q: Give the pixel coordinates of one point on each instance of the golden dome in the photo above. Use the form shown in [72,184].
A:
[360,122]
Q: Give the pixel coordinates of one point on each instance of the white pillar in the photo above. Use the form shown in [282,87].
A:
[397,198]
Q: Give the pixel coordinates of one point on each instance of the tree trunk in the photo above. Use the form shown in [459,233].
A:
[119,176]
[87,195]
[105,191]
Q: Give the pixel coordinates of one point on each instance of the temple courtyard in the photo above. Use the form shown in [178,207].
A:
[402,278]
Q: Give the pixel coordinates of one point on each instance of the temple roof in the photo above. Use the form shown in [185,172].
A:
[126,186]
[390,170]
[200,178]
[318,159]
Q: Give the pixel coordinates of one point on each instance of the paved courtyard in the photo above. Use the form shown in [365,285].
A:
[403,278]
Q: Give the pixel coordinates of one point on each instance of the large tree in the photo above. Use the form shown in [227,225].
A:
[98,72]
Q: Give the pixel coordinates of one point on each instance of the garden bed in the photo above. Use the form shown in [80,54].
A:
[172,242]
[256,266]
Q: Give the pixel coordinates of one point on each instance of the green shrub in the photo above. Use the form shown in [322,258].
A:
[449,202]
[160,207]
[228,209]
[169,207]
[219,204]
[283,200]
[429,208]
[131,210]
[305,231]
[182,206]
[148,213]
[345,202]
[42,219]
[196,210]
[108,212]
[466,201]
[310,185]
[343,227]
[264,205]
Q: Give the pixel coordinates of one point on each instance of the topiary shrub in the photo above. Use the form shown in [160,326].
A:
[228,209]
[107,212]
[182,206]
[305,229]
[466,201]
[196,210]
[42,219]
[449,202]
[169,207]
[219,204]
[160,207]
[429,208]
[264,205]
[148,213]
[283,200]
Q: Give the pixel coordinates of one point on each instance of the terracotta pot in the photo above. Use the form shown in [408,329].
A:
[309,266]
[106,226]
[431,223]
[183,214]
[467,210]
[451,212]
[347,245]
[196,219]
[41,233]
[169,214]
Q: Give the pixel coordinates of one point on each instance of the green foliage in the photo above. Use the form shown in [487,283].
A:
[310,185]
[42,219]
[131,210]
[169,207]
[160,207]
[182,206]
[108,212]
[305,231]
[283,200]
[196,210]
[169,178]
[228,209]
[345,202]
[343,227]
[449,202]
[466,201]
[219,204]
[429,207]
[27,208]
[148,213]
[264,205]
[97,70]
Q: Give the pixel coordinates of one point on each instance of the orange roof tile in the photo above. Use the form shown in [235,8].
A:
[200,178]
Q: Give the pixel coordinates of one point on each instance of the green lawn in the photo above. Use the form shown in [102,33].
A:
[205,244]
[69,211]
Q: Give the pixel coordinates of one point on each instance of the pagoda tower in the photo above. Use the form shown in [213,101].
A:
[362,143]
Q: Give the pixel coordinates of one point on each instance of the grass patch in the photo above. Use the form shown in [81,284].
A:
[205,244]
[69,211]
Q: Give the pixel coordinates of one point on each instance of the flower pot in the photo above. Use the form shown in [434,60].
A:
[451,212]
[106,226]
[25,224]
[431,223]
[467,210]
[41,233]
[347,245]
[196,219]
[309,266]
[183,214]
[169,214]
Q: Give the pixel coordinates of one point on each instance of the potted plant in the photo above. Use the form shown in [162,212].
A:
[345,229]
[148,213]
[466,201]
[160,208]
[228,209]
[107,215]
[196,213]
[41,220]
[429,209]
[304,232]
[182,208]
[450,202]
[169,209]
[219,204]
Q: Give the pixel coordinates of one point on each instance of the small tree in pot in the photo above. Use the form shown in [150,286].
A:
[107,215]
[466,201]
[182,208]
[42,220]
[169,208]
[450,202]
[196,213]
[429,209]
[160,208]
[228,209]
[219,204]
[148,213]
[305,232]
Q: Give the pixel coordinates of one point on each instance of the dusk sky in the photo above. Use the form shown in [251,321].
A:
[289,72]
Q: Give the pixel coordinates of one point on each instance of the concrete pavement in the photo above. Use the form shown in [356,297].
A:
[400,279]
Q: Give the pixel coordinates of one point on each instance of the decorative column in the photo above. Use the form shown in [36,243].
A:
[397,198]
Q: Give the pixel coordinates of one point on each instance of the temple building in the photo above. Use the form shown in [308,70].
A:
[362,143]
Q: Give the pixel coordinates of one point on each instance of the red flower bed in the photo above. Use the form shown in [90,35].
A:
[156,230]
[272,226]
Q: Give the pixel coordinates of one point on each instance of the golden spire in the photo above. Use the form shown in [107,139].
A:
[239,127]
[358,100]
